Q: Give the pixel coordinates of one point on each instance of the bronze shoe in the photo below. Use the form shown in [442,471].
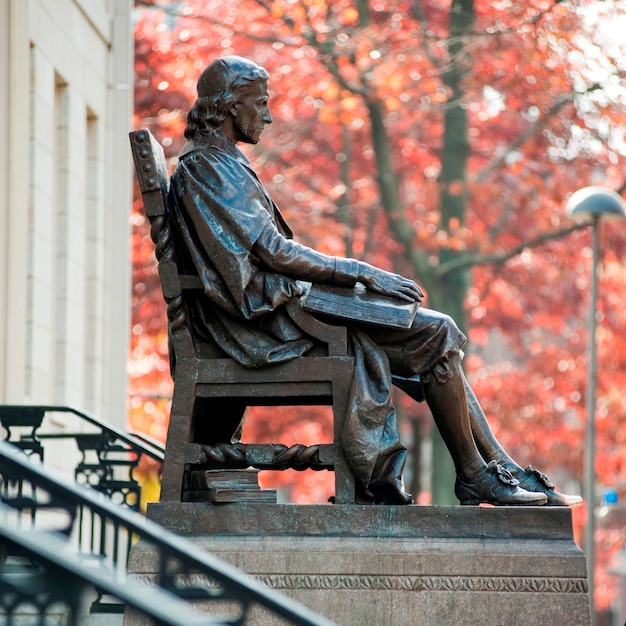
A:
[496,486]
[534,480]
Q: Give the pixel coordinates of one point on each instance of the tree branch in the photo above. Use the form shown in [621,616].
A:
[470,260]
[531,131]
[523,137]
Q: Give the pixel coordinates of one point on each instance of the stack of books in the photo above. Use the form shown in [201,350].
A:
[228,485]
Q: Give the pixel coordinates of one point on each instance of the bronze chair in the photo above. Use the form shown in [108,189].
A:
[212,391]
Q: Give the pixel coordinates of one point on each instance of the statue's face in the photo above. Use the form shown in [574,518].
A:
[252,113]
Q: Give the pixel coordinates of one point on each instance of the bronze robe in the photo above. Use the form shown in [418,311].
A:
[228,230]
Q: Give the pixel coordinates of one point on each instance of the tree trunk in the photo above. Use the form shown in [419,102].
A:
[449,293]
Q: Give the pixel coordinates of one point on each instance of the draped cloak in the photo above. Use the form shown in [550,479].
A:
[229,232]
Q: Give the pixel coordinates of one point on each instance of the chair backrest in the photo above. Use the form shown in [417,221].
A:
[153,178]
[151,170]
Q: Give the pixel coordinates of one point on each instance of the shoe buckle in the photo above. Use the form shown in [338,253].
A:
[503,474]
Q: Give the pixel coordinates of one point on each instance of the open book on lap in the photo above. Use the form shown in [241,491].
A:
[358,304]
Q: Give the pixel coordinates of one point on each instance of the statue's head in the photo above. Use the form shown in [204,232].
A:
[220,86]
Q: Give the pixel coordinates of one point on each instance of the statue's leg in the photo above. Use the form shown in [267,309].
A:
[477,481]
[486,441]
[429,351]
[490,448]
[448,404]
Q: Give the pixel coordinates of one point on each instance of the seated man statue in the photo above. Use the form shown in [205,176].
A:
[229,231]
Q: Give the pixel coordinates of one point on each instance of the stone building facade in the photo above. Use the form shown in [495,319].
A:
[65,197]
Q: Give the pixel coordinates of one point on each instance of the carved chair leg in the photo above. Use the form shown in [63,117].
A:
[344,477]
[178,434]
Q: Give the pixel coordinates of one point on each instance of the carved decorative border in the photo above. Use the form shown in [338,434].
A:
[503,584]
[497,584]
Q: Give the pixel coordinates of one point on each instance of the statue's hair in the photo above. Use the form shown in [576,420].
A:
[220,86]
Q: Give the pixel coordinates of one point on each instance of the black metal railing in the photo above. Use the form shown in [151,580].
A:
[105,457]
[98,455]
[41,582]
[43,502]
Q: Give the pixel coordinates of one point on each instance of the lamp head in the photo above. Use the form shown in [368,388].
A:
[591,203]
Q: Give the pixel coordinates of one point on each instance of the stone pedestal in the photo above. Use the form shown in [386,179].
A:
[397,566]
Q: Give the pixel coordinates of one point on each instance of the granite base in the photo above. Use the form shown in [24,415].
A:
[396,566]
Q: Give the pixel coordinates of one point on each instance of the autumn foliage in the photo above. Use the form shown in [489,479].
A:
[440,139]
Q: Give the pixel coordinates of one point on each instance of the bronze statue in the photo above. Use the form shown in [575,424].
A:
[229,231]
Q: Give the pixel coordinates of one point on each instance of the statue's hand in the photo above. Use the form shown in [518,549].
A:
[390,284]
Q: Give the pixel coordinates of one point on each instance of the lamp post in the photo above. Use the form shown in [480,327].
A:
[589,205]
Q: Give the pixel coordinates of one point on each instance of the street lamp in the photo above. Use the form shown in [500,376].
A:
[589,205]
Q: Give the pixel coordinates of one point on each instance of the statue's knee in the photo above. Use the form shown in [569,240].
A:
[448,324]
